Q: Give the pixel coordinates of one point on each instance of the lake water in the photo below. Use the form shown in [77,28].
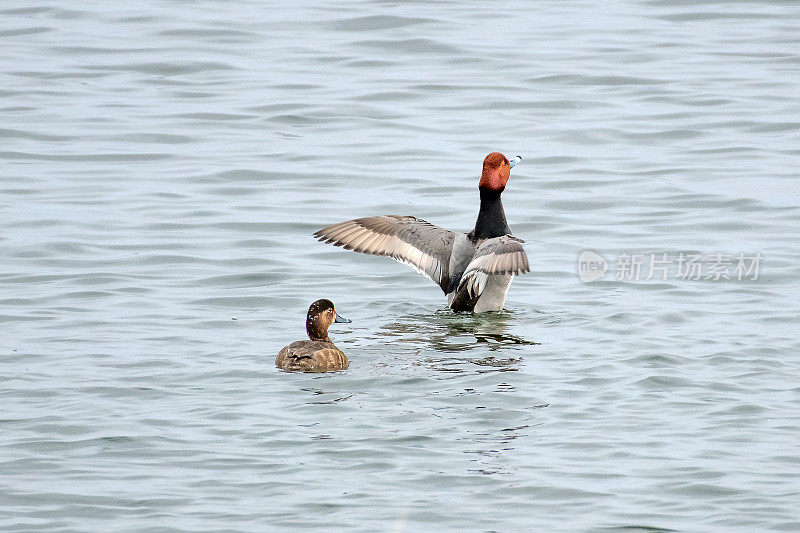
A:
[162,168]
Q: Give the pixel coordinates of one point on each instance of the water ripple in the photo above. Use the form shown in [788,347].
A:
[164,169]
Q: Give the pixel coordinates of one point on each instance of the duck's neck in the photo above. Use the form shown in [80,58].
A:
[491,218]
[317,331]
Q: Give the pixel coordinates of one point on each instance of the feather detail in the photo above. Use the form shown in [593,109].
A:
[423,246]
[498,256]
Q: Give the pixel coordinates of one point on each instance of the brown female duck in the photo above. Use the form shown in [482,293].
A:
[318,354]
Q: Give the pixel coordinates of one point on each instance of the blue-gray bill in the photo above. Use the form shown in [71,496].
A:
[342,319]
[514,160]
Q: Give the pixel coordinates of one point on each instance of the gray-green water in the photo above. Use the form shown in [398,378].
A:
[163,164]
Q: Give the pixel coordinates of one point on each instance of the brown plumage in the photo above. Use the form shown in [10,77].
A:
[318,354]
[496,171]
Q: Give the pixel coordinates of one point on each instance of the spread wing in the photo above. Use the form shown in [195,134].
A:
[420,244]
[497,256]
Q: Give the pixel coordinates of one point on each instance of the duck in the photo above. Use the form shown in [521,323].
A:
[318,354]
[474,270]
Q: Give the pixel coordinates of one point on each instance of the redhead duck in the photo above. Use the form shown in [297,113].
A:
[318,354]
[473,269]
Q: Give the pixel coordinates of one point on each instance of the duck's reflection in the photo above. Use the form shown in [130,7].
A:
[448,333]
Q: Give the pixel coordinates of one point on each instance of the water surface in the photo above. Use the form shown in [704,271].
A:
[163,165]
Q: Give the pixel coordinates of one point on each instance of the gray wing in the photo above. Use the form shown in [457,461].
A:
[410,240]
[497,256]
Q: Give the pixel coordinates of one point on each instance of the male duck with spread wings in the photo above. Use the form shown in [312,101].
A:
[474,269]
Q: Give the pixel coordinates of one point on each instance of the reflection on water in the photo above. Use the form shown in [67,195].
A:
[446,332]
[489,328]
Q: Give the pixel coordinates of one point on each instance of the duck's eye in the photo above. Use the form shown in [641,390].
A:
[502,163]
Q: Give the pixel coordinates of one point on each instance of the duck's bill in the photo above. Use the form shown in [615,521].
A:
[342,319]
[514,160]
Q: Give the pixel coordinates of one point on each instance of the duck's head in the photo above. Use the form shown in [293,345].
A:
[321,315]
[496,171]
